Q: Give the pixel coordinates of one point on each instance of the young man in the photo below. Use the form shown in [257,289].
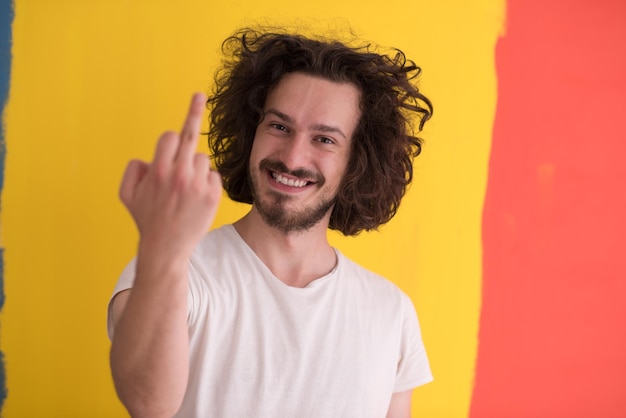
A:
[263,318]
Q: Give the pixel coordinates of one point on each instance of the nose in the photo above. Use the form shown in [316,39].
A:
[295,152]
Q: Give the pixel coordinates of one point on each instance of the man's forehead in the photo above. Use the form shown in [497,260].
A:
[316,102]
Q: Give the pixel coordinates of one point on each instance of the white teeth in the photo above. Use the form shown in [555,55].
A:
[288,182]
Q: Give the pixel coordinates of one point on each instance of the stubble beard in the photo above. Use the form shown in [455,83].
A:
[273,207]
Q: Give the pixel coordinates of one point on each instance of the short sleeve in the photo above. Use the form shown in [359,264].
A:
[125,282]
[413,366]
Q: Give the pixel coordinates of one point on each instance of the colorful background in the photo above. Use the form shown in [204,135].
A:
[510,241]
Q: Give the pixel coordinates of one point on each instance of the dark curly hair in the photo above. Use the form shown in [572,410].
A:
[383,147]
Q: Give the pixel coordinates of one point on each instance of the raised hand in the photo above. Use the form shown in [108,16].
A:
[173,199]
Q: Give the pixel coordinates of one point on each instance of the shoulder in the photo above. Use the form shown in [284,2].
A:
[218,244]
[366,282]
[222,260]
[217,273]
[214,257]
[217,238]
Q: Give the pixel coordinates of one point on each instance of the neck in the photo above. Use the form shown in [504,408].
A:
[296,258]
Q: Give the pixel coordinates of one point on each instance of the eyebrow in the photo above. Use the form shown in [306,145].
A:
[316,127]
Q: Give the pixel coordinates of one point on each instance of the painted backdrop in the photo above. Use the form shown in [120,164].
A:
[510,241]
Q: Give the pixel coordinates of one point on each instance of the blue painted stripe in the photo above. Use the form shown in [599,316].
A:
[6,19]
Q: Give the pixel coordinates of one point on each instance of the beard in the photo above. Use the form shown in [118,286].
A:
[273,207]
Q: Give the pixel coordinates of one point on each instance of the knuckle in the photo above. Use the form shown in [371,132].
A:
[169,136]
[180,176]
[160,171]
[216,180]
[167,143]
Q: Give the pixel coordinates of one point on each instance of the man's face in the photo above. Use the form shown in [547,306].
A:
[301,150]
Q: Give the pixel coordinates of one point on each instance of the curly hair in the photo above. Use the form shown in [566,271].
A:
[383,147]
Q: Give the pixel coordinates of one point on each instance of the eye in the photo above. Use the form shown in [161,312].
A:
[279,127]
[325,140]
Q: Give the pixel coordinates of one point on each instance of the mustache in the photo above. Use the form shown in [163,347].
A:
[300,173]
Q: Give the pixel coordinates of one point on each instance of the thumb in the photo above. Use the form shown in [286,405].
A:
[135,171]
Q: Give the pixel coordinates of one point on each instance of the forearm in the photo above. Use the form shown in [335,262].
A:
[400,405]
[149,354]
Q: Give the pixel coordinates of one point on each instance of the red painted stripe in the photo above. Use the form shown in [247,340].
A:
[552,339]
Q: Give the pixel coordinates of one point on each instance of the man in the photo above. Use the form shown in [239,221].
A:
[263,318]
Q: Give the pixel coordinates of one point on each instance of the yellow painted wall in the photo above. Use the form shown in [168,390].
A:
[94,83]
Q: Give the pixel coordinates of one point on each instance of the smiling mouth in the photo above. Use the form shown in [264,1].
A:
[296,179]
[289,182]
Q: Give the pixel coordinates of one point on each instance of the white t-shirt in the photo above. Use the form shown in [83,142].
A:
[339,347]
